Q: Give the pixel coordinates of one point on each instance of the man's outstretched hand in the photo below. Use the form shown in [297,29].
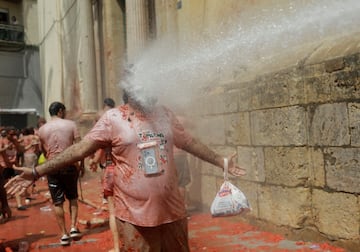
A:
[20,183]
[234,169]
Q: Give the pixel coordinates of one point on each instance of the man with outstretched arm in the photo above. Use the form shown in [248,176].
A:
[149,209]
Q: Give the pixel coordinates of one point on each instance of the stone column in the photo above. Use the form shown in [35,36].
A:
[113,49]
[87,60]
[166,18]
[50,52]
[67,55]
[137,28]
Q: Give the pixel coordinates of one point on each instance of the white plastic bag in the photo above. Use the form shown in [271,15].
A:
[229,200]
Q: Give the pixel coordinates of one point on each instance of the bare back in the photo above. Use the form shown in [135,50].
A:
[56,135]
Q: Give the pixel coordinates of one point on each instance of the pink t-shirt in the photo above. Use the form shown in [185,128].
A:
[56,135]
[141,199]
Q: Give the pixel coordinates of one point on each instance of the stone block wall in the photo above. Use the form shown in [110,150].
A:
[297,132]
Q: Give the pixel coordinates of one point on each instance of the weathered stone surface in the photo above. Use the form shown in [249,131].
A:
[251,191]
[245,96]
[279,89]
[252,159]
[334,65]
[336,214]
[282,126]
[354,121]
[342,169]
[237,127]
[317,168]
[295,150]
[285,206]
[329,125]
[211,130]
[334,87]
[220,103]
[294,166]
[317,88]
[352,61]
[346,85]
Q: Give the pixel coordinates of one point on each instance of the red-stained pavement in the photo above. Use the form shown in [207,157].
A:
[37,227]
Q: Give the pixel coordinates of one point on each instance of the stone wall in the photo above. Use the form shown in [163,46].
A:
[297,132]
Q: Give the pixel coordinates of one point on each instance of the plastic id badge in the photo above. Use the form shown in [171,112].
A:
[149,155]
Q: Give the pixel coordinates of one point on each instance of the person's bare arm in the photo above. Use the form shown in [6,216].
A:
[71,155]
[200,150]
[16,142]
[27,147]
[96,159]
[4,148]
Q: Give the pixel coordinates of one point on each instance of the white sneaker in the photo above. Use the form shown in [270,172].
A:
[65,240]
[75,233]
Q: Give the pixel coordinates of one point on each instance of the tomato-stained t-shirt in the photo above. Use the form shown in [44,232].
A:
[142,199]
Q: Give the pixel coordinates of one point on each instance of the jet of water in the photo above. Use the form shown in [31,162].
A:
[248,45]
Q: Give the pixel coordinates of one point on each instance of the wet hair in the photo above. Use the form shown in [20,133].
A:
[24,131]
[28,131]
[55,107]
[109,102]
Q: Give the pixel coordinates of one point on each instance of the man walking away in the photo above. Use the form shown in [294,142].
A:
[55,136]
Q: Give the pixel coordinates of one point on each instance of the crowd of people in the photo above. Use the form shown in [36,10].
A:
[17,147]
[28,147]
[135,145]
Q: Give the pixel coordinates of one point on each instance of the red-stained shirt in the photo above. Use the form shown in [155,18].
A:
[140,199]
[56,135]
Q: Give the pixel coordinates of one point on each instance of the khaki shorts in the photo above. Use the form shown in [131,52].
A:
[166,237]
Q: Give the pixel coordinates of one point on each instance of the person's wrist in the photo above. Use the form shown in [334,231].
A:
[220,162]
[35,174]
